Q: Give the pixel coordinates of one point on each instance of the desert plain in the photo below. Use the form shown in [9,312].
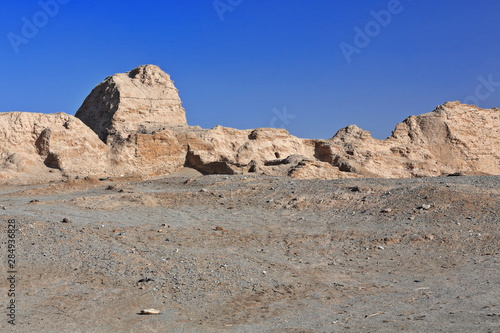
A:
[253,253]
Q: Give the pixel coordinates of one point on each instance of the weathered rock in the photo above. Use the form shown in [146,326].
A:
[142,101]
[230,151]
[41,146]
[140,118]
[219,150]
[436,143]
[148,154]
[454,138]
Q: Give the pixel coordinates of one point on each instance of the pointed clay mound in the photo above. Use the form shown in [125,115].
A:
[143,100]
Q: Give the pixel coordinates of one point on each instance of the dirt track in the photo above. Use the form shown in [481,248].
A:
[255,254]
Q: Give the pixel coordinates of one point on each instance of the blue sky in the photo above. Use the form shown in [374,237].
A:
[311,67]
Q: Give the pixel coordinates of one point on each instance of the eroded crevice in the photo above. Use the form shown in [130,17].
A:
[323,152]
[195,162]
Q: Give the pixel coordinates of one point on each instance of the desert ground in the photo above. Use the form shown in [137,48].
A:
[252,253]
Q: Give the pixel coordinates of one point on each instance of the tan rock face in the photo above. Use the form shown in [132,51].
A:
[140,117]
[143,100]
[453,138]
[235,151]
[148,154]
[34,144]
[219,150]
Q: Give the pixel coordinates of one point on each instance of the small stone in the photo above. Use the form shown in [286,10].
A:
[386,210]
[426,206]
[145,280]
[264,272]
[4,208]
[150,312]
[66,220]
[218,228]
[380,247]
[203,190]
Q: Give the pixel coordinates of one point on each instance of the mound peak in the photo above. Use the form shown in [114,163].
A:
[142,100]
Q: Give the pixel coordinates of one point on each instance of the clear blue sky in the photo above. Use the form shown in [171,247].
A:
[239,63]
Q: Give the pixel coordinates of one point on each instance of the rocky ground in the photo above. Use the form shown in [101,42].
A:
[249,253]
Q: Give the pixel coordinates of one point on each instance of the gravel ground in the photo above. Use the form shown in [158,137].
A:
[248,253]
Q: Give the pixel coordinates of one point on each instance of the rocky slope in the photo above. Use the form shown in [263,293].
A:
[140,129]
